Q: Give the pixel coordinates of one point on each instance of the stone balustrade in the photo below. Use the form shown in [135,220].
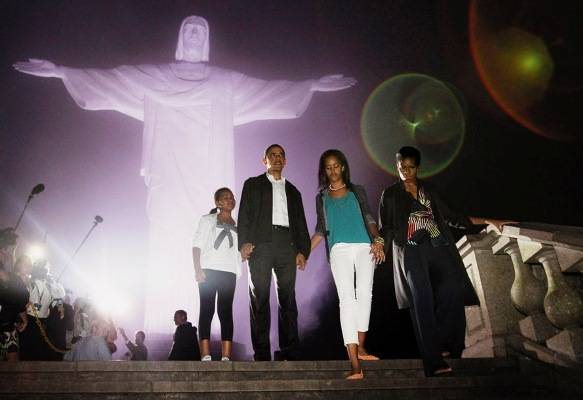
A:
[528,279]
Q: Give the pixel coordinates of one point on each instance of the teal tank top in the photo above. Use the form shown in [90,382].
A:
[344,220]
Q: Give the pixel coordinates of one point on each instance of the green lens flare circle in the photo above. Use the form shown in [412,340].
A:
[413,110]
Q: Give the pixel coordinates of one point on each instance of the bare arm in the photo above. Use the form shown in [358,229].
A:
[374,230]
[198,272]
[315,240]
[123,334]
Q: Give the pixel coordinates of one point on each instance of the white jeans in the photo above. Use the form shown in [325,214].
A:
[346,259]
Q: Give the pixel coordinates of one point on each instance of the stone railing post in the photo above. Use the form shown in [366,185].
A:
[527,292]
[490,323]
[563,304]
[534,313]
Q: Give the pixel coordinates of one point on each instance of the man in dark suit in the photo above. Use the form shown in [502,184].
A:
[273,235]
[185,345]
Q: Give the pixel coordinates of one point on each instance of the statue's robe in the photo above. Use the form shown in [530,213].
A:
[189,112]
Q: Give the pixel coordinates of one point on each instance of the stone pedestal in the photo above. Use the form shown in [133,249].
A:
[492,277]
[487,347]
[537,328]
[563,304]
[527,292]
[569,343]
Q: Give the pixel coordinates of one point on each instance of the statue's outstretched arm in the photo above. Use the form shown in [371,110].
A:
[37,67]
[332,83]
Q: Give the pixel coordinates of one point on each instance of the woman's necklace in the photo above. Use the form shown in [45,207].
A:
[333,189]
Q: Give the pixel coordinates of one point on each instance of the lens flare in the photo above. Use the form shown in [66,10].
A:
[413,110]
[527,57]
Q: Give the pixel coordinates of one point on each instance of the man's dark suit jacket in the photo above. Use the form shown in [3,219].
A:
[185,346]
[256,210]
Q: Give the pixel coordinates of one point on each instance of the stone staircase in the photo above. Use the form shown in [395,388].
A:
[499,378]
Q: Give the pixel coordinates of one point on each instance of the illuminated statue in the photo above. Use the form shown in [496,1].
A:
[189,109]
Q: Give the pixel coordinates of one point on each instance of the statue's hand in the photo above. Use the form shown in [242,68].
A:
[332,83]
[36,67]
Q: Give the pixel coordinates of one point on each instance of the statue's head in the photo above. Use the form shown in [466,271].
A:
[193,40]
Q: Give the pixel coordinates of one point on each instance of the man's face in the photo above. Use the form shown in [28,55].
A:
[178,318]
[139,338]
[407,169]
[193,36]
[275,160]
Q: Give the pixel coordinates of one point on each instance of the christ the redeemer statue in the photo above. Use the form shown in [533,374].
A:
[189,109]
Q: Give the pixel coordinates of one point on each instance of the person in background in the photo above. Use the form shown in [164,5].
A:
[44,292]
[217,264]
[185,345]
[138,350]
[13,319]
[23,269]
[60,325]
[8,244]
[353,246]
[94,347]
[69,312]
[81,319]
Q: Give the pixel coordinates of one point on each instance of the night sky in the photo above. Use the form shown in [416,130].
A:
[89,161]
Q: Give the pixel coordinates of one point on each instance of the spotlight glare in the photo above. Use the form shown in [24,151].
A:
[36,252]
[110,303]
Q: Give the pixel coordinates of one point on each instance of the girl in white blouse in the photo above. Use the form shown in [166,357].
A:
[217,265]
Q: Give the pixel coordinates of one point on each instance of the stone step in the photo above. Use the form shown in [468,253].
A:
[474,378]
[508,386]
[236,371]
[331,385]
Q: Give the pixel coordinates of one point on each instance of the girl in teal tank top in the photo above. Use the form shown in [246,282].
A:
[354,246]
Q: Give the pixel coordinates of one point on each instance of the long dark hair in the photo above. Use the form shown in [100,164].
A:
[218,194]
[323,178]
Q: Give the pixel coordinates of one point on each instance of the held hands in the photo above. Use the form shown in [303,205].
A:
[332,83]
[301,261]
[246,251]
[37,67]
[377,250]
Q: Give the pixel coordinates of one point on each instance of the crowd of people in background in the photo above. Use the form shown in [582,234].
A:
[39,322]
